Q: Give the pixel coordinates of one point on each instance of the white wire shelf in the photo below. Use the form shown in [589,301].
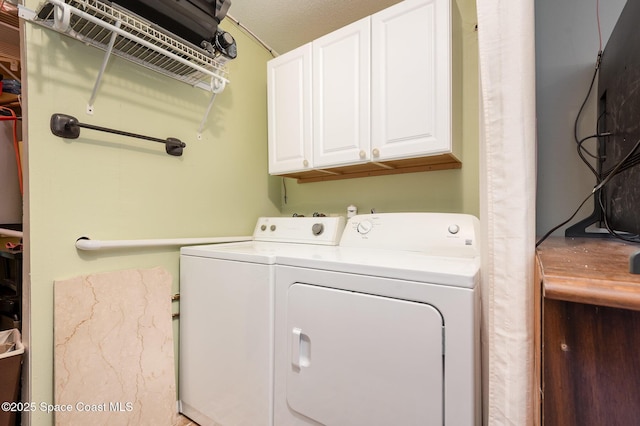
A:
[125,34]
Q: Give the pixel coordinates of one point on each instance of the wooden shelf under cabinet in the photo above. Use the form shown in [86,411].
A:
[391,167]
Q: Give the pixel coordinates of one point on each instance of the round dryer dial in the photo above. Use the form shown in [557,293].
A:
[364,227]
[317,228]
[454,229]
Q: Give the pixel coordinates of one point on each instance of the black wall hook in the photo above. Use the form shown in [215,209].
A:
[68,127]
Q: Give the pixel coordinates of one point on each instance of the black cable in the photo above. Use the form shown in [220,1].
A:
[631,239]
[602,179]
[599,186]
[633,161]
[582,149]
[627,162]
[615,170]
[586,98]
[284,186]
[545,236]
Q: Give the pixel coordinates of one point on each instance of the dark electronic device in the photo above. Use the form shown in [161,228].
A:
[196,21]
[619,116]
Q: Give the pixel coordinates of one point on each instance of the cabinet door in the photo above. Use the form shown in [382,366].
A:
[411,80]
[341,100]
[289,109]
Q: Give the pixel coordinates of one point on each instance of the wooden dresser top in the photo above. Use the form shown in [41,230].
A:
[589,270]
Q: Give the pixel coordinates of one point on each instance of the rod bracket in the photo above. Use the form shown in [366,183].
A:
[64,126]
[174,147]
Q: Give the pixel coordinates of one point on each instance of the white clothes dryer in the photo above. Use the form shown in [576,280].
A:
[226,319]
[384,329]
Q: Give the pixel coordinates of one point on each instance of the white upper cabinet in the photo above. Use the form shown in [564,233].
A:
[411,80]
[379,96]
[341,93]
[289,106]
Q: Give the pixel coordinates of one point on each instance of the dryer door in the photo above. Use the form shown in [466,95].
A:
[358,359]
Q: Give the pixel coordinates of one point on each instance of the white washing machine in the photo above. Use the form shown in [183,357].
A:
[384,329]
[226,320]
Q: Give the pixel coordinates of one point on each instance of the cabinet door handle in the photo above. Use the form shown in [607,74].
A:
[305,163]
[376,152]
[362,154]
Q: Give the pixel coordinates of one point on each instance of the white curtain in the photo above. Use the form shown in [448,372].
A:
[507,207]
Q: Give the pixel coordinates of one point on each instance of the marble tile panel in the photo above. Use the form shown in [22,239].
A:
[113,355]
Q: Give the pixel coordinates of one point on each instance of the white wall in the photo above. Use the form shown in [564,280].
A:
[566,49]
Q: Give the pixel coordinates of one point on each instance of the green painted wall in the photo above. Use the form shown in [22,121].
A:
[447,191]
[111,187]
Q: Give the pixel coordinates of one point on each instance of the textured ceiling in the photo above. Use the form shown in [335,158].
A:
[286,24]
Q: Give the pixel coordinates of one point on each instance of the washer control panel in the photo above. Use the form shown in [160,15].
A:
[305,230]
[433,233]
[364,227]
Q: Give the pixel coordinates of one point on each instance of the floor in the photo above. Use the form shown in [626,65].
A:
[185,421]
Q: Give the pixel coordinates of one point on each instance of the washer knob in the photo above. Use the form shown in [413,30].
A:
[364,227]
[273,227]
[263,227]
[454,229]
[317,228]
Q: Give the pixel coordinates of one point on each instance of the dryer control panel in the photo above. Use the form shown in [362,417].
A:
[444,234]
[305,230]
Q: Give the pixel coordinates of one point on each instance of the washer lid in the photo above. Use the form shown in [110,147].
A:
[405,265]
[252,251]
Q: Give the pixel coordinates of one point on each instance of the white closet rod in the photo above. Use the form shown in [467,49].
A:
[84,243]
[10,233]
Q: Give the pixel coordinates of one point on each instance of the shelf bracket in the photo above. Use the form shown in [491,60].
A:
[105,61]
[61,17]
[217,86]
